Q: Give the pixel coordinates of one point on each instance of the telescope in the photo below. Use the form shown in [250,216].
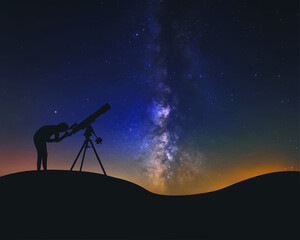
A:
[89,120]
[89,131]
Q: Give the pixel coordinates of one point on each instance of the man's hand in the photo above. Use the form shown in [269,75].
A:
[68,134]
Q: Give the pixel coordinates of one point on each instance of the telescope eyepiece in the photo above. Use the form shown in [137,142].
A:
[73,126]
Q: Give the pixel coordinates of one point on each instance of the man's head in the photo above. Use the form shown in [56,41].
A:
[62,127]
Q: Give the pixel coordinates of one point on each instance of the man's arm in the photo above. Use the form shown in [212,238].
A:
[62,137]
[55,139]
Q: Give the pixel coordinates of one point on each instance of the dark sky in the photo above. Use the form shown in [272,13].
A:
[203,93]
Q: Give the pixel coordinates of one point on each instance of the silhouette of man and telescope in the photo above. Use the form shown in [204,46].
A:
[44,134]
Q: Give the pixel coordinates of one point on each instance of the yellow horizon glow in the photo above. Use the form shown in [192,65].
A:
[223,177]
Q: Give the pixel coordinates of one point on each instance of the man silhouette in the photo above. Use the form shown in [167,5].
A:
[42,136]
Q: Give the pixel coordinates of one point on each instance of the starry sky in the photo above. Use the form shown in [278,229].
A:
[203,94]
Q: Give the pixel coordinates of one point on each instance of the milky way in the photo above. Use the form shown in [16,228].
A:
[165,162]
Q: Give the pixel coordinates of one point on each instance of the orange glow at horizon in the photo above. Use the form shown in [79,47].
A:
[227,179]
[235,176]
[229,176]
[212,181]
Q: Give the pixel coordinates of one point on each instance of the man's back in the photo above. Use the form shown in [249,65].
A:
[45,132]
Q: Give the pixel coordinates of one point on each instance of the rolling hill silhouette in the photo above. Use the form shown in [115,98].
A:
[65,204]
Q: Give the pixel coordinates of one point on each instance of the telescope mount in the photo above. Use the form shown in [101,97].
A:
[88,133]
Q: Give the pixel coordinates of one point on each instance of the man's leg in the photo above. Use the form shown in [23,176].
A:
[42,150]
[45,161]
[39,161]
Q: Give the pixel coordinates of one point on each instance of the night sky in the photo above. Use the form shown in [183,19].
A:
[203,94]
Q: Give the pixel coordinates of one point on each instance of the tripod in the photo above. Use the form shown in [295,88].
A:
[88,133]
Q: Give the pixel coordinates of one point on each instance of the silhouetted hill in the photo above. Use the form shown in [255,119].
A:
[64,204]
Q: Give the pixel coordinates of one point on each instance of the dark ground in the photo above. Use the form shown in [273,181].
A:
[64,204]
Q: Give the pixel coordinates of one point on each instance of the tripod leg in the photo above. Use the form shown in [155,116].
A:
[98,157]
[85,142]
[86,146]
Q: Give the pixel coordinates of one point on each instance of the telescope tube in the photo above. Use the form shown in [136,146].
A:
[91,118]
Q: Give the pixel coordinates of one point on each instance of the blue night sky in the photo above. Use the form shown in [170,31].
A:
[202,93]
